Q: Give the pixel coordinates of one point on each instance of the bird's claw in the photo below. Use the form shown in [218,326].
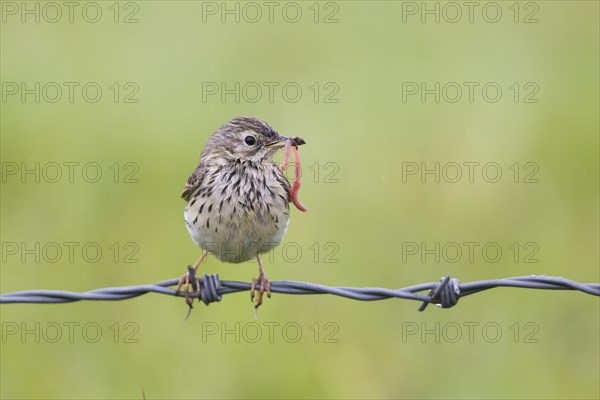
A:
[260,285]
[187,280]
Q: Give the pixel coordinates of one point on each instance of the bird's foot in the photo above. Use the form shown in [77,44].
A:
[260,285]
[187,280]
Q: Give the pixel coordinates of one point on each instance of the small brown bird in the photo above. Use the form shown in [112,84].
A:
[238,198]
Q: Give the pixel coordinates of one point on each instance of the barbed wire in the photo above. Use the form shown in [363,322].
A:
[444,293]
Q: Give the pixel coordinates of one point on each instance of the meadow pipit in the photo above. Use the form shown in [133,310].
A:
[238,198]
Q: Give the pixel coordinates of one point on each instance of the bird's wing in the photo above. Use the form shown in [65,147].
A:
[193,182]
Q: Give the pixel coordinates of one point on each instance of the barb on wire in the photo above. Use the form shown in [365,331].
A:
[444,293]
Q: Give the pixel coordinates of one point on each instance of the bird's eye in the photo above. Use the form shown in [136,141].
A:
[250,140]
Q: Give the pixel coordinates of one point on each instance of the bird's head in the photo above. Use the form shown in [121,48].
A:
[244,139]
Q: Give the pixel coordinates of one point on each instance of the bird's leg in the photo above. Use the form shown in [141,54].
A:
[190,278]
[260,285]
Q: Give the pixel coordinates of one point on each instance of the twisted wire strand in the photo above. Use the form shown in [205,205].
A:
[445,293]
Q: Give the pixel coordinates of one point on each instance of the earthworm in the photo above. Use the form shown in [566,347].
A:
[292,144]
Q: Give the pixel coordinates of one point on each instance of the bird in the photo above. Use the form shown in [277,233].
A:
[238,199]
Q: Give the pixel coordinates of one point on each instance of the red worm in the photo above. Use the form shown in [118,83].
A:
[296,184]
[297,172]
[286,158]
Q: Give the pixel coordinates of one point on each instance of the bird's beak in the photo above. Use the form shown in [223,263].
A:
[277,143]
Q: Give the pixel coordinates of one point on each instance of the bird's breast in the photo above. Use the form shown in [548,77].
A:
[239,211]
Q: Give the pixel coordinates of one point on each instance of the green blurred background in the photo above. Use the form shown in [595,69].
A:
[361,134]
